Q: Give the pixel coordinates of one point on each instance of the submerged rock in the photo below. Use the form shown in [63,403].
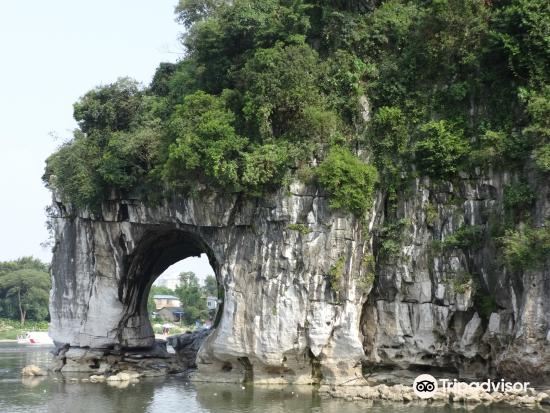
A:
[33,370]
[124,376]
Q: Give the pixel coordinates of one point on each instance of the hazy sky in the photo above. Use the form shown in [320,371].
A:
[52,52]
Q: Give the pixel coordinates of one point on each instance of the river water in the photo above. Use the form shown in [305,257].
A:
[171,394]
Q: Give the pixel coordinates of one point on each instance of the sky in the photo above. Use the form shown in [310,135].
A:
[52,52]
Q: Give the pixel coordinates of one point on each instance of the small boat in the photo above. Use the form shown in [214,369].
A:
[37,338]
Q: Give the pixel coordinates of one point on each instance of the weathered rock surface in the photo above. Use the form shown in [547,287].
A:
[460,395]
[187,346]
[153,361]
[284,319]
[281,321]
[459,310]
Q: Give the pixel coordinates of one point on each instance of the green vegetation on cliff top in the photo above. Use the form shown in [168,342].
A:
[362,93]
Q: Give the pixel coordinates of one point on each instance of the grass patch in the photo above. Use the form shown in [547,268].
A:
[462,282]
[367,279]
[336,273]
[301,228]
[10,329]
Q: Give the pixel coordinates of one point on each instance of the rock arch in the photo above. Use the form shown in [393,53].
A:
[158,249]
[283,320]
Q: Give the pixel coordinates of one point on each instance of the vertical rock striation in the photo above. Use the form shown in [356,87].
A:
[439,302]
[285,318]
[311,293]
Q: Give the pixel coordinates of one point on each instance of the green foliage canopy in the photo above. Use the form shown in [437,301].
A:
[272,87]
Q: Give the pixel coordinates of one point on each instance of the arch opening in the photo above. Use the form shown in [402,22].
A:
[164,255]
[185,297]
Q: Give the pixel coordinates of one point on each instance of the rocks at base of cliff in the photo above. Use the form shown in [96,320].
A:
[120,380]
[187,346]
[33,370]
[462,394]
[154,361]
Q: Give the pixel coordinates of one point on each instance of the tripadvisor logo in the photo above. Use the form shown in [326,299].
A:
[426,385]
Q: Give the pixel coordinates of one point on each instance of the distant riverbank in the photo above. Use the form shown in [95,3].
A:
[10,329]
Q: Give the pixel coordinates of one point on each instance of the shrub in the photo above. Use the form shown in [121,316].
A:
[390,134]
[73,170]
[464,237]
[391,143]
[391,237]
[369,272]
[432,214]
[492,148]
[462,282]
[518,195]
[336,273]
[440,149]
[349,181]
[112,107]
[266,165]
[486,305]
[301,228]
[526,247]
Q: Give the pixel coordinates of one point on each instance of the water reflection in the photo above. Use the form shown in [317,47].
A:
[32,381]
[271,399]
[97,397]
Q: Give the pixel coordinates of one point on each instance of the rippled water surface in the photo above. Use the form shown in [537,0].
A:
[172,394]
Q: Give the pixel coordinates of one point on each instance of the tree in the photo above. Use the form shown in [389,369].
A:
[109,108]
[28,289]
[192,298]
[206,142]
[211,285]
[21,263]
[192,11]
[270,89]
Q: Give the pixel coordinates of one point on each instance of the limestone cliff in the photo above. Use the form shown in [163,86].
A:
[312,294]
[458,308]
[284,318]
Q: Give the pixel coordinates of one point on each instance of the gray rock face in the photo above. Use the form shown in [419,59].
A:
[310,293]
[187,346]
[458,309]
[281,320]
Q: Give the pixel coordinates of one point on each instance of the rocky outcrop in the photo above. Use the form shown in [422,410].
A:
[456,308]
[187,346]
[152,361]
[284,317]
[470,396]
[312,294]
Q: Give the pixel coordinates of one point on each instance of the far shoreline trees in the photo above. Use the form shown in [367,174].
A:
[191,294]
[24,289]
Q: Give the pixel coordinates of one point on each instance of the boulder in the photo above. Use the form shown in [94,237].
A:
[33,370]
